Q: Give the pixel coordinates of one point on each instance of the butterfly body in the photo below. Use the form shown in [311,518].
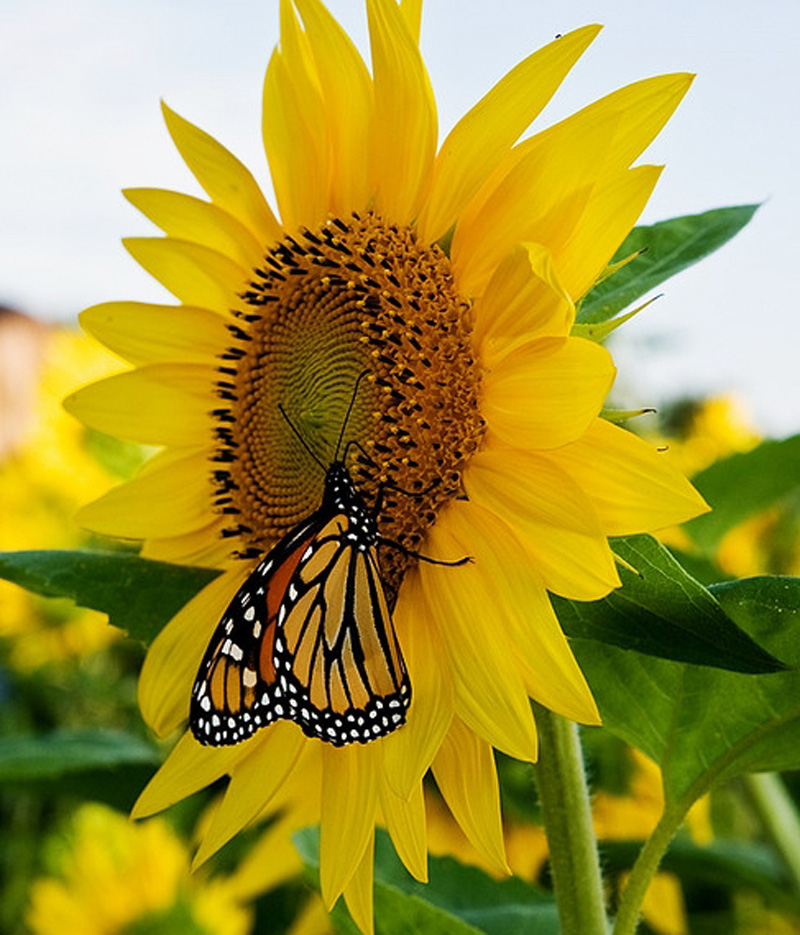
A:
[308,636]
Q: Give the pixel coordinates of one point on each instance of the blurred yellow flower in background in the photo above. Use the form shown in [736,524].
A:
[115,877]
[701,432]
[47,469]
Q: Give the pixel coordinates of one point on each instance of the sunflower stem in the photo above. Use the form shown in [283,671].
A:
[778,815]
[654,848]
[564,796]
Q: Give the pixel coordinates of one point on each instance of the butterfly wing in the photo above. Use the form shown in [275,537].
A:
[235,692]
[308,637]
[336,654]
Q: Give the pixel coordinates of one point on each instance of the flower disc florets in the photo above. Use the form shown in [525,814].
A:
[354,297]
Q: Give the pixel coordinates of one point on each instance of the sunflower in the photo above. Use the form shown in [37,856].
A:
[449,277]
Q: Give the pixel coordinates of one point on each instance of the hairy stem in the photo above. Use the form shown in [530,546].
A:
[574,863]
[647,862]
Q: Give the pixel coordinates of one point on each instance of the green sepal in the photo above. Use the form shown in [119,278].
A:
[599,331]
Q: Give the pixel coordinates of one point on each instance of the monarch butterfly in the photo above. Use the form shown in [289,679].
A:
[309,635]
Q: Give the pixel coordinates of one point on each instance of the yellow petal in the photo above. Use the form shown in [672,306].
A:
[189,767]
[171,664]
[632,486]
[551,517]
[412,12]
[537,194]
[465,773]
[161,404]
[359,889]
[642,109]
[227,182]
[196,275]
[405,126]
[546,392]
[478,142]
[142,333]
[523,613]
[405,821]
[467,605]
[168,501]
[540,190]
[184,217]
[295,129]
[253,783]
[408,752]
[524,299]
[349,803]
[207,546]
[610,213]
[347,91]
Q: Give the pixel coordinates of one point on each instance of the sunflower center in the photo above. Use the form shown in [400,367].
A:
[352,298]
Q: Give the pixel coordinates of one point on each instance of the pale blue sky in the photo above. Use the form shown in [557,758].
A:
[81,83]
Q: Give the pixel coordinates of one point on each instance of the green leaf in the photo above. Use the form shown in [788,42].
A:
[664,612]
[669,247]
[139,595]
[33,757]
[457,899]
[742,485]
[706,725]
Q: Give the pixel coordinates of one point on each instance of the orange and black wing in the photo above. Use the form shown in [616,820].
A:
[337,660]
[307,637]
[235,692]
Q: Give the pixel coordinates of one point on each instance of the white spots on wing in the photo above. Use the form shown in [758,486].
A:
[205,703]
[236,652]
[250,613]
[249,678]
[257,629]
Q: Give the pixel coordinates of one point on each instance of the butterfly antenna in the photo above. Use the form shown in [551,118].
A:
[302,441]
[359,378]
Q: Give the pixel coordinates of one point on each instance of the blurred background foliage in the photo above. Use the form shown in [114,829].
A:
[74,753]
